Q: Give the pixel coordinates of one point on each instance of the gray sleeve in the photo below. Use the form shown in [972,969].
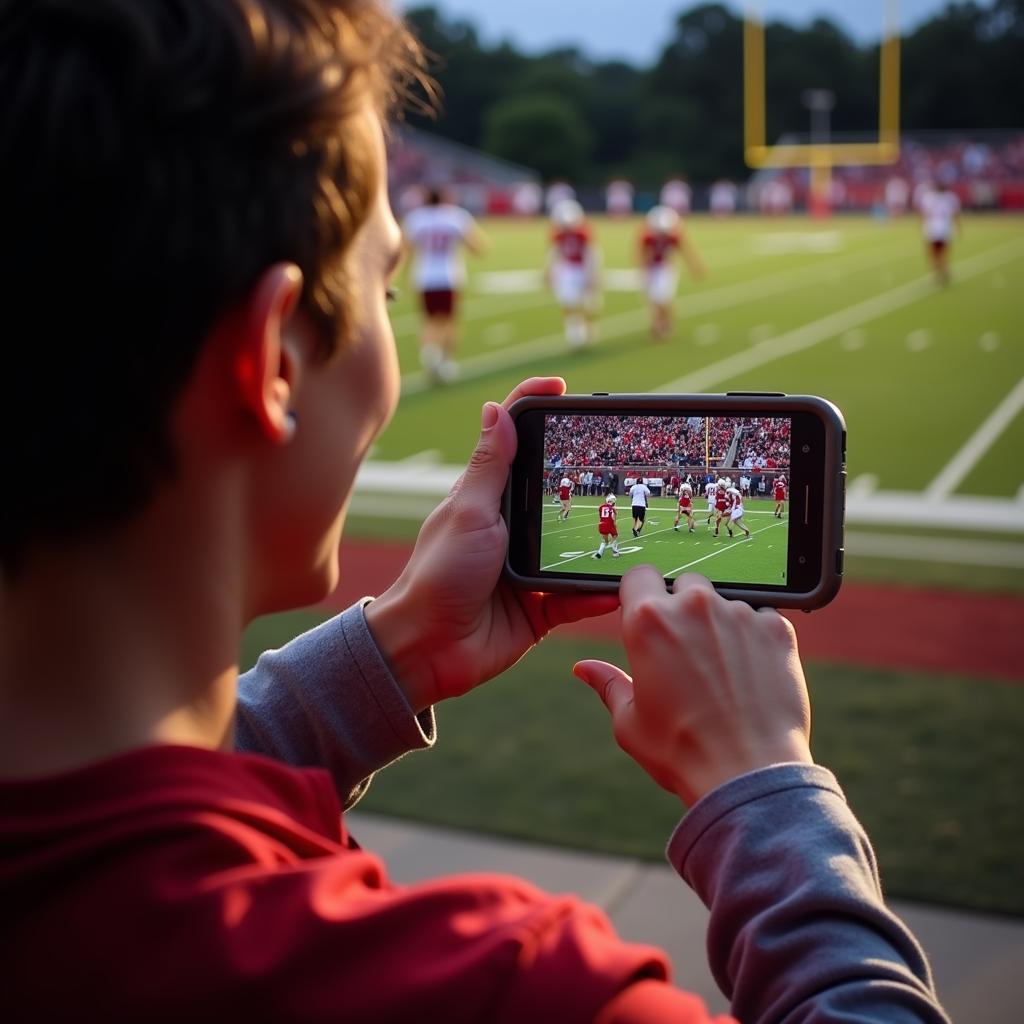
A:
[327,699]
[798,928]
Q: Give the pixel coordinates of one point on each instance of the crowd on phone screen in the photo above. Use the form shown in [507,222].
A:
[590,443]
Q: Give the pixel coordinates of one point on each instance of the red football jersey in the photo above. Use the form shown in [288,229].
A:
[564,493]
[571,244]
[780,492]
[656,247]
[606,519]
[685,501]
[722,500]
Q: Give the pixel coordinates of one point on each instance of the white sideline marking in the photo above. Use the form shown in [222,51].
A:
[761,332]
[508,282]
[687,306]
[861,486]
[954,512]
[817,331]
[852,340]
[936,549]
[977,444]
[864,504]
[782,242]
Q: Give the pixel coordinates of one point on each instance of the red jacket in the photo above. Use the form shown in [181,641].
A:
[172,883]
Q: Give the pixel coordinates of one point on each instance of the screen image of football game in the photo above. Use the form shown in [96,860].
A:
[693,493]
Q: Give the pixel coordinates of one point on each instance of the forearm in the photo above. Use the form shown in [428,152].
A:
[798,928]
[328,700]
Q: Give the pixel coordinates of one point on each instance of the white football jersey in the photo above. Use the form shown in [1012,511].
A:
[638,495]
[939,210]
[436,234]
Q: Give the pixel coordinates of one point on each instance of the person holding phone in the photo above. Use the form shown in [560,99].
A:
[173,836]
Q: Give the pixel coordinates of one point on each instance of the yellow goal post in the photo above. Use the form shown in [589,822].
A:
[820,157]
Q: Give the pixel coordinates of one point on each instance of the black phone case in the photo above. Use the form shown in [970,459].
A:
[774,403]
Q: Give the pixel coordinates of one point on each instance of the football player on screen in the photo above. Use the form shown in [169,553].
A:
[606,527]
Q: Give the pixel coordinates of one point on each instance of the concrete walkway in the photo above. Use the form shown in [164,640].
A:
[978,960]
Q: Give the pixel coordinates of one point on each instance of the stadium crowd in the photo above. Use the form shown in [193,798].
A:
[764,442]
[635,440]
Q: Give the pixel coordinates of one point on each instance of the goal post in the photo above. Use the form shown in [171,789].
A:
[819,157]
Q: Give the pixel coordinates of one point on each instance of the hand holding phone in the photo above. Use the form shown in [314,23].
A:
[746,489]
[717,688]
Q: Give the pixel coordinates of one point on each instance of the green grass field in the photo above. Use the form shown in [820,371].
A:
[568,546]
[931,382]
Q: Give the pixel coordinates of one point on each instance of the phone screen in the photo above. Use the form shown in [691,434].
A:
[685,493]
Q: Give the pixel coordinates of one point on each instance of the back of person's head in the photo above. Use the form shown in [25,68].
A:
[155,157]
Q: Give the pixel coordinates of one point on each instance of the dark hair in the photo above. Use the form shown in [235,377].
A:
[155,157]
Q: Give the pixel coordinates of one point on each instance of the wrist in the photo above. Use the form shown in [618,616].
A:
[697,780]
[395,633]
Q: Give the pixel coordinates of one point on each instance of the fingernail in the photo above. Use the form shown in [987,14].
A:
[488,415]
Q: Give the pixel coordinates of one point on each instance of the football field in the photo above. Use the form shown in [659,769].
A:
[930,379]
[569,545]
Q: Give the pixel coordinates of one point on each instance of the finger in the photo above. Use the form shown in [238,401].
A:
[691,581]
[609,682]
[641,581]
[536,386]
[562,608]
[484,479]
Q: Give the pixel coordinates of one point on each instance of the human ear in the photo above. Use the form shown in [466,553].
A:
[266,362]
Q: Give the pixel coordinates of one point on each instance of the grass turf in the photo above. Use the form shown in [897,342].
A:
[567,545]
[916,369]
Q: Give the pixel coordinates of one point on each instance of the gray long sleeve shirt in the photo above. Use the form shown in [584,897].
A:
[798,928]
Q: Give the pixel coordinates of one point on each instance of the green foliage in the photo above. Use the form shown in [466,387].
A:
[542,130]
[685,113]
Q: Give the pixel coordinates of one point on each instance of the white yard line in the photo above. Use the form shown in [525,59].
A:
[584,554]
[977,444]
[697,561]
[620,324]
[834,324]
[1002,554]
[975,513]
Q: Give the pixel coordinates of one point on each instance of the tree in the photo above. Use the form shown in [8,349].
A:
[541,130]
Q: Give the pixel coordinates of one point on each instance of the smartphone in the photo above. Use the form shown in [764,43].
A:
[747,488]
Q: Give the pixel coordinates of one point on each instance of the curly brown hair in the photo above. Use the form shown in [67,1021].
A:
[155,157]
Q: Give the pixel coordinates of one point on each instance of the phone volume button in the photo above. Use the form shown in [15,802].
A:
[755,394]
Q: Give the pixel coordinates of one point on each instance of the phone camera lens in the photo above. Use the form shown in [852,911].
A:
[806,448]
[802,560]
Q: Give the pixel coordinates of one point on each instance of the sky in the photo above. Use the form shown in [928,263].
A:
[636,30]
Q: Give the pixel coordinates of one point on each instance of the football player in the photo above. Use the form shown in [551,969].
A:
[780,496]
[565,497]
[572,271]
[735,511]
[685,507]
[662,238]
[606,527]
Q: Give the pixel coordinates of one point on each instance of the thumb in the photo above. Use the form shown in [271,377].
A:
[609,682]
[485,476]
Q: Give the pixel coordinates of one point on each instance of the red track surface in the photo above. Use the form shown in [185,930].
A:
[961,633]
